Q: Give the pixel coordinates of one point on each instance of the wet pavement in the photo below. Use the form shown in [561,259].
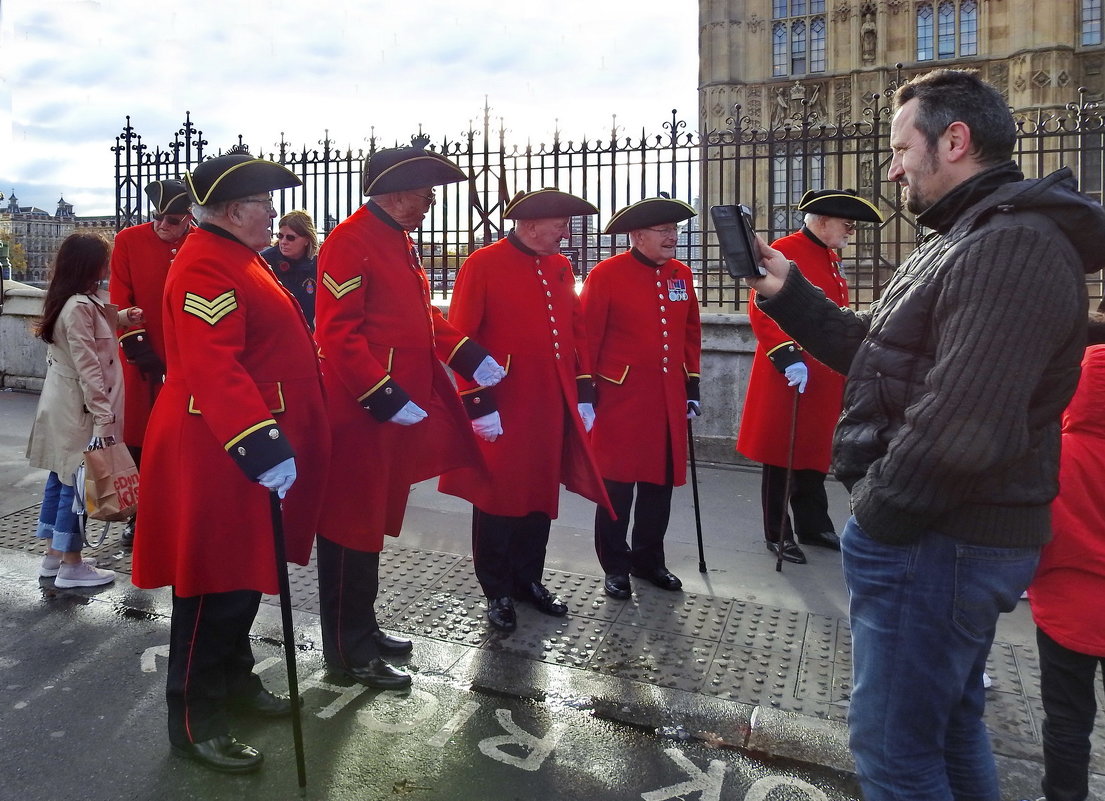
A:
[716,692]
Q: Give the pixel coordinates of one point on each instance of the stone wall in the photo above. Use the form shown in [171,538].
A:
[727,347]
[22,355]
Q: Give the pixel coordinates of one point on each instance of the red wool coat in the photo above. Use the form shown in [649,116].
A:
[382,343]
[242,393]
[139,265]
[1070,580]
[765,420]
[645,342]
[524,309]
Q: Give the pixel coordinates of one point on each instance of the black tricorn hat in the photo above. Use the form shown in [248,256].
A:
[169,197]
[648,212]
[844,203]
[546,203]
[400,169]
[234,176]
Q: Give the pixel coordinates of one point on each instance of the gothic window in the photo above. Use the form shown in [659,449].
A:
[948,30]
[1091,22]
[798,37]
[794,170]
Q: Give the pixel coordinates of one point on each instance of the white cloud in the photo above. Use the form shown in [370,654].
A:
[74,69]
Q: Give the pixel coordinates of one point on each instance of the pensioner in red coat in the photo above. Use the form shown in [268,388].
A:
[243,392]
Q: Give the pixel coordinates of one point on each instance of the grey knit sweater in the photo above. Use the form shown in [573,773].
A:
[958,375]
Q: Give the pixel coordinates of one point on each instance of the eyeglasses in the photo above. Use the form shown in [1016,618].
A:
[171,219]
[430,198]
[267,201]
[288,237]
[667,230]
[849,225]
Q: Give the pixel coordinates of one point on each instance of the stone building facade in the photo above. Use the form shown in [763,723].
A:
[40,233]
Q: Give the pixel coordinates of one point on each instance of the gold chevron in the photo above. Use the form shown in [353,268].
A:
[210,311]
[340,290]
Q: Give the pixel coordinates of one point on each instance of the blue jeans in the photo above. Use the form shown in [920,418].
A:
[57,521]
[923,618]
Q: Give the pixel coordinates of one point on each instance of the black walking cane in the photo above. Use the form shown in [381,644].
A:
[694,493]
[289,642]
[786,491]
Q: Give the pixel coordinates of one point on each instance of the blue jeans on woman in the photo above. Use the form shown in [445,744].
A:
[57,521]
[923,618]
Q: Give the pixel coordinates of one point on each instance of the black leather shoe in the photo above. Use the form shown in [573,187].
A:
[824,539]
[791,551]
[661,577]
[500,611]
[395,646]
[617,586]
[377,674]
[544,600]
[222,753]
[264,704]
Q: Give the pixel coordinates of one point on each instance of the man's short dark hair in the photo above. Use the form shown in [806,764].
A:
[947,96]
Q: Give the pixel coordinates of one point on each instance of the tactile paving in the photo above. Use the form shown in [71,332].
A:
[687,614]
[754,626]
[569,640]
[446,616]
[754,676]
[666,660]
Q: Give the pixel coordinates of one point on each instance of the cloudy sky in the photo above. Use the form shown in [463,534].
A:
[72,70]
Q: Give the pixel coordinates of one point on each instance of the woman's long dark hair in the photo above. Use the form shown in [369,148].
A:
[77,268]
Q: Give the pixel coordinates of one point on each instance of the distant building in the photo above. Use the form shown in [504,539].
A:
[40,233]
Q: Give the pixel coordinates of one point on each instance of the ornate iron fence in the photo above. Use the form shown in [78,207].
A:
[766,169]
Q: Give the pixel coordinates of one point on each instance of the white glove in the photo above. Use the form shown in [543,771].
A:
[410,414]
[489,427]
[96,443]
[587,415]
[694,409]
[797,375]
[489,373]
[279,478]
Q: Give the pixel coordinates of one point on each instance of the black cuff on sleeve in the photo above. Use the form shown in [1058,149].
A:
[585,389]
[785,355]
[139,351]
[467,356]
[259,448]
[385,400]
[478,402]
[693,390]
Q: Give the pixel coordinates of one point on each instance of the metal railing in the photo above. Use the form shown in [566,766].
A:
[766,169]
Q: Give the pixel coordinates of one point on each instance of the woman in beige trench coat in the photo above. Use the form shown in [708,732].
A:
[81,404]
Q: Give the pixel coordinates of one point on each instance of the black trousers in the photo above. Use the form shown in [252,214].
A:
[348,583]
[808,502]
[210,662]
[1066,687]
[650,522]
[508,553]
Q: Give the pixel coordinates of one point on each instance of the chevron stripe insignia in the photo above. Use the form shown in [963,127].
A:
[210,311]
[341,290]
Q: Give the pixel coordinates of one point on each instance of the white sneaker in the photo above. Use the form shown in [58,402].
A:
[51,564]
[82,575]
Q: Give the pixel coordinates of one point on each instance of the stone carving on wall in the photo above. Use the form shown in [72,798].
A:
[868,36]
[843,11]
[894,6]
[755,104]
[1020,73]
[999,77]
[843,97]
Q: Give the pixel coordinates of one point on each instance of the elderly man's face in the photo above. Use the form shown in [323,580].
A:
[544,236]
[171,227]
[411,207]
[657,243]
[252,218]
[834,232]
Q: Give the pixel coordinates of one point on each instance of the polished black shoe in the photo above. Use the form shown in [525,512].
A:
[222,753]
[661,577]
[791,552]
[824,539]
[500,611]
[617,586]
[264,704]
[544,600]
[394,646]
[377,674]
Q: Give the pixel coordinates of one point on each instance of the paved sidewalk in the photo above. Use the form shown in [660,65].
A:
[745,656]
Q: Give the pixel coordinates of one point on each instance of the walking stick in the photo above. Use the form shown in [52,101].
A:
[694,493]
[786,491]
[289,643]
